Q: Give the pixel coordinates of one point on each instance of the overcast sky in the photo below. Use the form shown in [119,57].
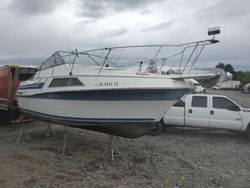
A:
[34,29]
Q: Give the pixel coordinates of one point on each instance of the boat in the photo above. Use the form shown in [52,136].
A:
[103,96]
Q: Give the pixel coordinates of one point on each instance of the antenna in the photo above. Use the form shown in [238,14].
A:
[68,37]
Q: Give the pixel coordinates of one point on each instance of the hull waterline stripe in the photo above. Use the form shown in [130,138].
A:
[123,95]
[86,120]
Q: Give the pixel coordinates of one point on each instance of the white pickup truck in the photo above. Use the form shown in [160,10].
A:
[210,111]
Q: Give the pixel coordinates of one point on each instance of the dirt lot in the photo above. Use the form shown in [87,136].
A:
[194,158]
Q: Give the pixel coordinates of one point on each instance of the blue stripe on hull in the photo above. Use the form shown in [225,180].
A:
[118,94]
[89,120]
[32,86]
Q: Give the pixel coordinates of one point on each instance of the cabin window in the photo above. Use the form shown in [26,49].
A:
[223,103]
[199,101]
[65,82]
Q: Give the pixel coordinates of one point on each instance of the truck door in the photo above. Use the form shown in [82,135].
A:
[197,113]
[225,114]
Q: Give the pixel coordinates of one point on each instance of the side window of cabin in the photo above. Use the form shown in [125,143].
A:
[65,82]
[223,103]
[74,82]
[199,101]
[179,103]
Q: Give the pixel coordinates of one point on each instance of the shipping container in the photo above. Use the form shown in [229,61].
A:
[10,78]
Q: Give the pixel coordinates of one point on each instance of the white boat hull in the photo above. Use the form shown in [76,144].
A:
[100,102]
[96,111]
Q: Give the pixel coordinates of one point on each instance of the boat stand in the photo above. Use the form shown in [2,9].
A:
[122,140]
[66,149]
[114,140]
[49,131]
[21,132]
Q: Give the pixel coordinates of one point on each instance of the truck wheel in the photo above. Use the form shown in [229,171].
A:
[248,131]
[156,129]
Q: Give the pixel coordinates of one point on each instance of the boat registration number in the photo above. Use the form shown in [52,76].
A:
[106,84]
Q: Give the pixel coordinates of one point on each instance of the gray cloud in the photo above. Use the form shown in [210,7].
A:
[114,33]
[87,8]
[34,7]
[100,8]
[225,9]
[146,11]
[162,25]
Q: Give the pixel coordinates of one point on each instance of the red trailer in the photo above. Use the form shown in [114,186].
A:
[10,78]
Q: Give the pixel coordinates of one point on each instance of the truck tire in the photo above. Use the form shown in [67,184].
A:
[156,129]
[248,131]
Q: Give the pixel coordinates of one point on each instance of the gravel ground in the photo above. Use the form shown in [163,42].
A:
[191,157]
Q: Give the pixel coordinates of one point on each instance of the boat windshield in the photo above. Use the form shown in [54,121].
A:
[54,60]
